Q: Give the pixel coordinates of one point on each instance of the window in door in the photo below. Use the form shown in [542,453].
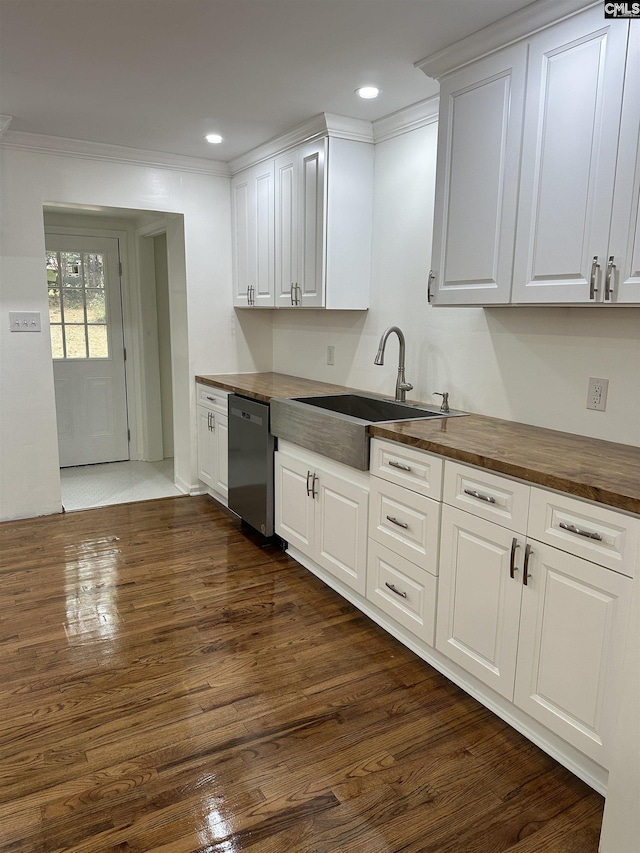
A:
[77,305]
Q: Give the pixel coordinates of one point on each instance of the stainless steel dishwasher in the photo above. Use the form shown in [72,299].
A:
[251,463]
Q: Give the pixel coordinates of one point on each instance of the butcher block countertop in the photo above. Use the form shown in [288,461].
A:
[590,468]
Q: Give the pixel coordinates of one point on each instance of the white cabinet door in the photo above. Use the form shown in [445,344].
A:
[241,237]
[341,528]
[299,226]
[478,599]
[323,514]
[294,509]
[311,205]
[286,229]
[221,483]
[573,626]
[624,242]
[207,451]
[479,139]
[252,204]
[571,126]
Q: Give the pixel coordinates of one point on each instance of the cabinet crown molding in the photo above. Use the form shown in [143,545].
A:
[514,27]
[323,124]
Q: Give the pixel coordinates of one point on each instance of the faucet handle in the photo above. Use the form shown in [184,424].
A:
[445,400]
[405,386]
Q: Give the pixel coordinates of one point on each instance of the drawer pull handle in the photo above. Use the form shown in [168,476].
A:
[399,465]
[213,399]
[512,562]
[399,523]
[395,589]
[474,494]
[588,534]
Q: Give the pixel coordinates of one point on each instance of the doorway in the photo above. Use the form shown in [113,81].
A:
[147,329]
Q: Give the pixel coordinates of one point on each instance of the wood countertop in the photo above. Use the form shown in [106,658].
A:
[590,468]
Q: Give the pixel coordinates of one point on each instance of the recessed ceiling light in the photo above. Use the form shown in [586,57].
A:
[213,138]
[368,92]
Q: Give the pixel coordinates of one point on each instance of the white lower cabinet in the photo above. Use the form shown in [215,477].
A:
[572,637]
[213,439]
[542,627]
[321,509]
[517,593]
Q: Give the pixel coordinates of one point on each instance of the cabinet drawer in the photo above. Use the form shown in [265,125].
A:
[212,398]
[402,590]
[406,466]
[590,531]
[486,495]
[406,522]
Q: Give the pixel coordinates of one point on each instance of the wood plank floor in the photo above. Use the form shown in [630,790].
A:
[171,684]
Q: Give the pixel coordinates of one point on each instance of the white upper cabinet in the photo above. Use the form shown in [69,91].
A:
[571,131]
[252,197]
[479,139]
[302,221]
[299,213]
[538,175]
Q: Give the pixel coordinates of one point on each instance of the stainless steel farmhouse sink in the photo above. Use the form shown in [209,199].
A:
[336,425]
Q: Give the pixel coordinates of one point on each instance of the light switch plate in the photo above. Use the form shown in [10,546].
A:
[25,321]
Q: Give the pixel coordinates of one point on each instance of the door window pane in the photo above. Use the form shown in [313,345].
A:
[76,341]
[96,306]
[57,347]
[98,344]
[55,309]
[76,283]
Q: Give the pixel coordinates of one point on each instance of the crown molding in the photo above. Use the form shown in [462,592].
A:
[514,27]
[405,120]
[323,124]
[82,149]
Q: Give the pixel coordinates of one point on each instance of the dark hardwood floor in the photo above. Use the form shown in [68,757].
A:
[169,683]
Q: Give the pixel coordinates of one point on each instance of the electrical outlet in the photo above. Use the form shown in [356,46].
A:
[597,394]
[331,355]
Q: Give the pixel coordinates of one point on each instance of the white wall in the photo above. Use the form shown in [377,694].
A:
[522,364]
[29,474]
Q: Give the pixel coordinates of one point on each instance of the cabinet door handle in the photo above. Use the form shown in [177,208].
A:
[608,289]
[298,294]
[528,551]
[292,297]
[308,485]
[432,276]
[595,266]
[512,561]
[588,534]
[399,465]
[314,480]
[395,589]
[474,494]
[399,523]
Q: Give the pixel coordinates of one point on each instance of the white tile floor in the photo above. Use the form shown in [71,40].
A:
[116,483]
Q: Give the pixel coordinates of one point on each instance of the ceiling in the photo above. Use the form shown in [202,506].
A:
[160,74]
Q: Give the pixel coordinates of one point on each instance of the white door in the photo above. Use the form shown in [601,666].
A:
[286,229]
[85,314]
[311,247]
